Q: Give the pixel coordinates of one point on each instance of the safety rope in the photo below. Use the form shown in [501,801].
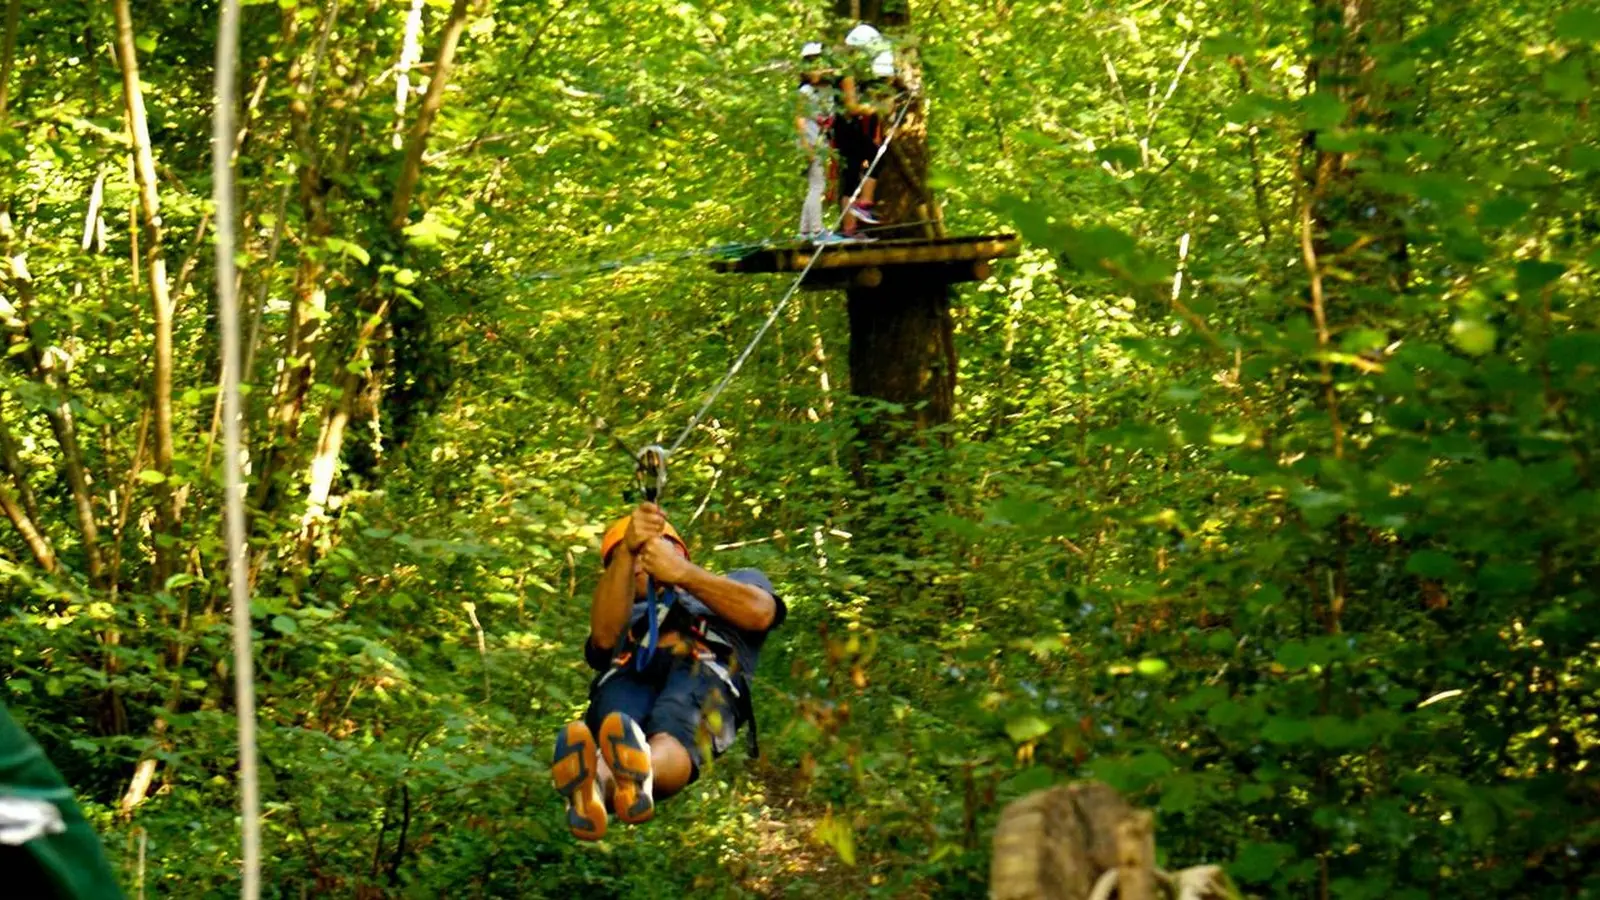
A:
[777,309]
[238,551]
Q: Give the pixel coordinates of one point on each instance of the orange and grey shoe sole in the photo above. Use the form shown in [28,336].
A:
[627,753]
[576,774]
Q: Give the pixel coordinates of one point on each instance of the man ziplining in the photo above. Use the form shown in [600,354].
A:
[674,647]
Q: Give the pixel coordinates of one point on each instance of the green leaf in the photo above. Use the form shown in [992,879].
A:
[1432,564]
[1030,779]
[151,476]
[1152,667]
[1579,25]
[180,580]
[1502,211]
[1473,337]
[1259,862]
[352,250]
[1534,274]
[284,625]
[1285,730]
[1323,111]
[1293,655]
[430,232]
[1120,155]
[1027,728]
[1150,766]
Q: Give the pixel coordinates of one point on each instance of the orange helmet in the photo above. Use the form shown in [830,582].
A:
[619,529]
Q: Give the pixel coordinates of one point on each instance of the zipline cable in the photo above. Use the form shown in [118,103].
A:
[227,65]
[795,286]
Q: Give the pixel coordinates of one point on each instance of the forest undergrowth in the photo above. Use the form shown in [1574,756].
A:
[1267,491]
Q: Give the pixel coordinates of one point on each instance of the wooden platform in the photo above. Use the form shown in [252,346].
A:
[949,260]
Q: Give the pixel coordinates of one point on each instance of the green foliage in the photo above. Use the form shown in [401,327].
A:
[1269,497]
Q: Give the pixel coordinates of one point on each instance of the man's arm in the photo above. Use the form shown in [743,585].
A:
[744,606]
[612,607]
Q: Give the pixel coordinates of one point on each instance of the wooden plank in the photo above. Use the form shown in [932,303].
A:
[901,252]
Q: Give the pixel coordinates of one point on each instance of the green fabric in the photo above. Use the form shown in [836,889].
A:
[73,863]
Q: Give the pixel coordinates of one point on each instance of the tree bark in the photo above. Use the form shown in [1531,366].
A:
[160,296]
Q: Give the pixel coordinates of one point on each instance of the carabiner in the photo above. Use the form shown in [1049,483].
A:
[651,473]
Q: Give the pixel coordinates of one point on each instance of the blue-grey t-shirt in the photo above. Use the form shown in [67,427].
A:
[747,644]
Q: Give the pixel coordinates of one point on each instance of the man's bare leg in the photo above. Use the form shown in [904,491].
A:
[670,762]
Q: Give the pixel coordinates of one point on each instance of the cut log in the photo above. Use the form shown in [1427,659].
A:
[1055,844]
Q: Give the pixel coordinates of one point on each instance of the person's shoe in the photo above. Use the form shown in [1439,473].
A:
[576,778]
[863,214]
[829,237]
[627,752]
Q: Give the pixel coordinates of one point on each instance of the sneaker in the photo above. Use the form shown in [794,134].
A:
[829,237]
[863,214]
[627,752]
[575,774]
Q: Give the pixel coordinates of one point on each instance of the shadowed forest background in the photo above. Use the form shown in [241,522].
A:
[1268,493]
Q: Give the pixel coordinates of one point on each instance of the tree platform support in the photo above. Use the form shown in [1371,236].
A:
[879,264]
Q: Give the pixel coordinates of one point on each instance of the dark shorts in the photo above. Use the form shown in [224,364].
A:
[674,698]
[856,139]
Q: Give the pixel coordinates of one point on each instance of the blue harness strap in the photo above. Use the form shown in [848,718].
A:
[647,649]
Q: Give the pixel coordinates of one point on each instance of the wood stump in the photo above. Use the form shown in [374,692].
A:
[1057,844]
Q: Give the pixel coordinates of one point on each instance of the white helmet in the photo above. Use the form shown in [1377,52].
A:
[883,64]
[863,35]
[811,50]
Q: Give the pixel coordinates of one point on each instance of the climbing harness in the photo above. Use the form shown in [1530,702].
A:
[710,649]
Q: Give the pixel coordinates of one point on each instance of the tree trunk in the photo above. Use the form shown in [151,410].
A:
[902,335]
[37,545]
[41,367]
[8,53]
[410,55]
[296,371]
[330,442]
[12,465]
[417,138]
[160,298]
